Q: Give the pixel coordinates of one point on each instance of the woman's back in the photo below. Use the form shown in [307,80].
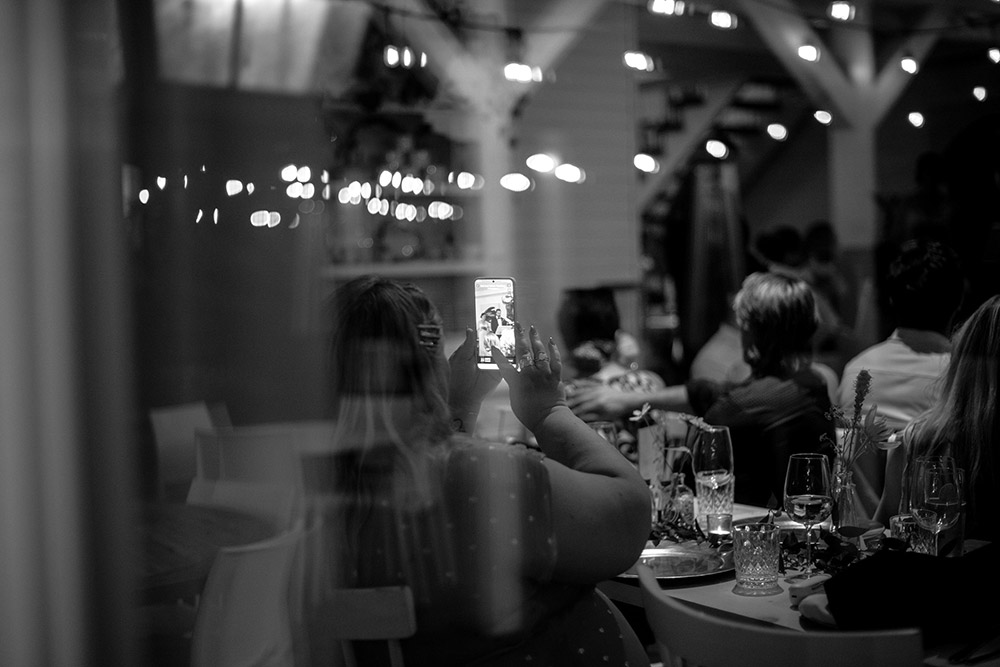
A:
[479,556]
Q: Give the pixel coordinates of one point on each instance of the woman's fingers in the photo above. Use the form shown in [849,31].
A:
[555,359]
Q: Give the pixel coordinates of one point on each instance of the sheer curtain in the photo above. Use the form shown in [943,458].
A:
[65,398]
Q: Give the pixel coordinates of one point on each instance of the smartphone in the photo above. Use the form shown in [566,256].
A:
[495,314]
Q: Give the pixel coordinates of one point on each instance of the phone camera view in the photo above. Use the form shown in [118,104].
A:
[495,309]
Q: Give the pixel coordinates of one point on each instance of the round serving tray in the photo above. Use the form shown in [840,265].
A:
[676,561]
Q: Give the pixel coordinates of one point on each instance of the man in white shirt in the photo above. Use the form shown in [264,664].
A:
[925,285]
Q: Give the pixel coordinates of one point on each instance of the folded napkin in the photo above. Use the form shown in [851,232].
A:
[942,596]
[817,608]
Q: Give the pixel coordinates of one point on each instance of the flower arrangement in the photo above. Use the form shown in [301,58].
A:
[864,430]
[673,501]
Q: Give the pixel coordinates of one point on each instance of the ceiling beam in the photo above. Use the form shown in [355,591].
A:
[783,28]
[892,80]
[698,121]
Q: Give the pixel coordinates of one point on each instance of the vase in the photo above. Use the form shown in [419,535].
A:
[846,518]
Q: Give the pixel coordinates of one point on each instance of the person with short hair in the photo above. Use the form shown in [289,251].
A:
[777,411]
[925,285]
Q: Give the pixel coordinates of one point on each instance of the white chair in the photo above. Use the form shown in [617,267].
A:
[174,428]
[245,617]
[269,453]
[696,637]
[278,504]
[383,613]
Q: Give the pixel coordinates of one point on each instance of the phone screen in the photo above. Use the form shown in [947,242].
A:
[496,316]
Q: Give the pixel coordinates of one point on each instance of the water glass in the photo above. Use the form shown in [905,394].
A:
[712,462]
[756,551]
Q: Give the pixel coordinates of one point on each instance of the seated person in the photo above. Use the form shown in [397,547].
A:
[501,545]
[925,286]
[964,423]
[779,410]
[601,354]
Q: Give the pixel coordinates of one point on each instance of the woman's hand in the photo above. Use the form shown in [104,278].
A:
[468,384]
[534,385]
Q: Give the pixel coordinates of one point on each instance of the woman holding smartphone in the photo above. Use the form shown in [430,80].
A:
[501,545]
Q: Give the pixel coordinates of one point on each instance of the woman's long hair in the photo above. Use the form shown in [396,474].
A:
[389,393]
[777,318]
[965,422]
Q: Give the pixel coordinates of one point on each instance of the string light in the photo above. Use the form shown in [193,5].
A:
[777,131]
[723,20]
[666,7]
[638,60]
[717,149]
[809,52]
[647,163]
[569,173]
[979,92]
[823,116]
[909,64]
[994,54]
[515,182]
[541,162]
[916,119]
[840,11]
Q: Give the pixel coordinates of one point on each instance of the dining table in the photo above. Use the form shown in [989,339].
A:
[713,592]
[179,543]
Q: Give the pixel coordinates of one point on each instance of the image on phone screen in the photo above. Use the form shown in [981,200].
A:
[495,313]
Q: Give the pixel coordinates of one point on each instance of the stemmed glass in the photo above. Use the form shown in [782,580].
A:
[712,463]
[808,497]
[936,494]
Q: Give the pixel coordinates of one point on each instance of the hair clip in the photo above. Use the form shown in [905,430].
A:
[430,335]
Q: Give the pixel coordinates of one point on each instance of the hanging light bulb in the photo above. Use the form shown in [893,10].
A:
[645,162]
[909,64]
[716,148]
[390,55]
[809,52]
[777,131]
[666,7]
[638,60]
[722,20]
[840,11]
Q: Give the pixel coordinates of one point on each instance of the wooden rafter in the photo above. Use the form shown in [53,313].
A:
[697,122]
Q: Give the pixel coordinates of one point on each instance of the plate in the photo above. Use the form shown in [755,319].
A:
[683,560]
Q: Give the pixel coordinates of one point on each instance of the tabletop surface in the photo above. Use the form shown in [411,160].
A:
[180,541]
[716,593]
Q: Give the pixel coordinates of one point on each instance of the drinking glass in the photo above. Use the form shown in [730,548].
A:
[757,557]
[936,494]
[606,430]
[712,463]
[808,497]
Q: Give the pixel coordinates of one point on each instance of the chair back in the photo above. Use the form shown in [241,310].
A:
[174,428]
[269,453]
[702,638]
[278,504]
[244,616]
[382,613]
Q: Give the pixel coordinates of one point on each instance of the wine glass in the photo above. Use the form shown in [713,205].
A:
[712,463]
[808,497]
[936,494]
